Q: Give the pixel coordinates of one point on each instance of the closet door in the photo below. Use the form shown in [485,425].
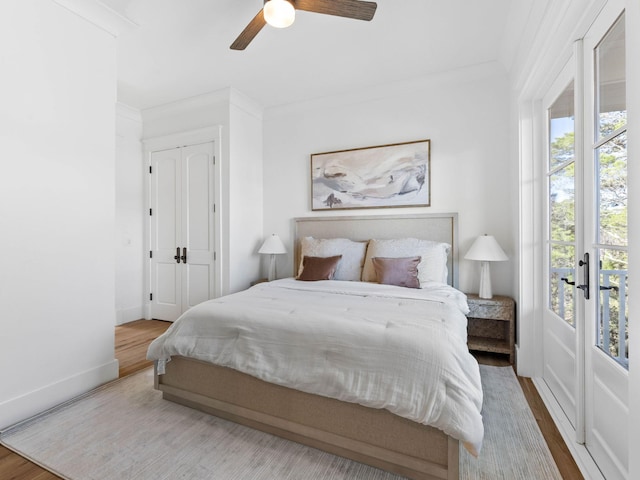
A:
[181,229]
[197,225]
[166,220]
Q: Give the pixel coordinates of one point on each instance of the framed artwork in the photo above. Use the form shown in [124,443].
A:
[396,175]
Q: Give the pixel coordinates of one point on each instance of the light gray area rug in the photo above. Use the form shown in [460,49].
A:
[513,446]
[125,430]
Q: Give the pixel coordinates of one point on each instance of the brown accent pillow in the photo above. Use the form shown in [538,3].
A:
[402,272]
[319,268]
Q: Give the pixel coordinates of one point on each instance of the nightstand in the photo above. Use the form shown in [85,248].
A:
[491,326]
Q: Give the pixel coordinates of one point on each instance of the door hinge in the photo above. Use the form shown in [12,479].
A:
[150,169]
[151,296]
[151,211]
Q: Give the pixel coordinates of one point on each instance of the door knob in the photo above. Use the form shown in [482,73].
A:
[184,254]
[177,255]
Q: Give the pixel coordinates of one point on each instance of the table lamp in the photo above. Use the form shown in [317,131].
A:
[485,249]
[272,246]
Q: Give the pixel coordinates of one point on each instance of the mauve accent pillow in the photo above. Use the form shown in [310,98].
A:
[319,268]
[433,264]
[353,253]
[402,271]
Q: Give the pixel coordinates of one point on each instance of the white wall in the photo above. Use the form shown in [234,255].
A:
[245,192]
[239,199]
[464,113]
[57,129]
[129,220]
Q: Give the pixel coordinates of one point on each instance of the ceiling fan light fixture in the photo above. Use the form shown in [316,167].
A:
[279,13]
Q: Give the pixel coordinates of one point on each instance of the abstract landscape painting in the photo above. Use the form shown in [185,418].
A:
[395,175]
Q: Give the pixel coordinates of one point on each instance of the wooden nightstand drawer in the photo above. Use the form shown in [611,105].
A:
[496,308]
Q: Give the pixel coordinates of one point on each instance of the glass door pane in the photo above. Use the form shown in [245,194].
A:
[610,169]
[561,185]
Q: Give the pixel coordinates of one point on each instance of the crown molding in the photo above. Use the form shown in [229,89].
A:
[98,14]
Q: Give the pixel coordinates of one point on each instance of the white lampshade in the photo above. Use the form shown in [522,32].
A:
[279,13]
[485,249]
[272,246]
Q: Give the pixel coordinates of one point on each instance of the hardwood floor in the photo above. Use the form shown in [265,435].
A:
[132,340]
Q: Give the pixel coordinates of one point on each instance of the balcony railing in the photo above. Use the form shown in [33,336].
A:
[610,309]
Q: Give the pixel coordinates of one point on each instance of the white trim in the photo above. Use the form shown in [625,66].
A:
[186,105]
[99,14]
[580,454]
[245,103]
[131,314]
[37,401]
[130,113]
[368,94]
[189,137]
[179,139]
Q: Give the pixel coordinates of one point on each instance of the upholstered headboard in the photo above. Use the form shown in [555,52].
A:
[440,227]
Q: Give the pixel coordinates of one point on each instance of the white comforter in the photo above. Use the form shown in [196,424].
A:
[377,345]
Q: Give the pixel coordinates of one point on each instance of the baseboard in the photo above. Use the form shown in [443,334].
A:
[580,454]
[33,403]
[126,315]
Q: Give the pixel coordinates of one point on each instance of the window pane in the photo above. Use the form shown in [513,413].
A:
[562,295]
[561,129]
[611,168]
[613,313]
[562,204]
[611,81]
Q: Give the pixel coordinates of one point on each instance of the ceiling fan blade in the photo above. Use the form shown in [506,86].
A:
[357,9]
[249,32]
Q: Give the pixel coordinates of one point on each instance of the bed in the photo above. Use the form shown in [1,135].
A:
[241,370]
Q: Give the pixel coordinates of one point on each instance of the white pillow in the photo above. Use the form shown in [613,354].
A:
[353,253]
[432,266]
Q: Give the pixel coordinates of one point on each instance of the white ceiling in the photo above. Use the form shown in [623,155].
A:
[180,48]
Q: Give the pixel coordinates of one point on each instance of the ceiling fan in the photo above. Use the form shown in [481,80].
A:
[281,13]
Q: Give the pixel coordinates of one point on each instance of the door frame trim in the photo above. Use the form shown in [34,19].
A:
[580,454]
[174,140]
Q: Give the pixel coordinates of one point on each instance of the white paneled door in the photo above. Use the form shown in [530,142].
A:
[561,315]
[181,229]
[585,338]
[605,240]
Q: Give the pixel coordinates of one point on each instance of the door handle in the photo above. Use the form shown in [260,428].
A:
[585,275]
[184,254]
[585,287]
[610,287]
[177,255]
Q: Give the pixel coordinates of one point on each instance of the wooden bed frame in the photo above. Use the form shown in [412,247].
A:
[372,436]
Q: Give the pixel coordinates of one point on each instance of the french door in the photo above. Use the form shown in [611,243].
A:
[585,316]
[181,229]
[606,353]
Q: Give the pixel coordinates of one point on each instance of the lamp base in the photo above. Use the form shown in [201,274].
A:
[272,267]
[485,281]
